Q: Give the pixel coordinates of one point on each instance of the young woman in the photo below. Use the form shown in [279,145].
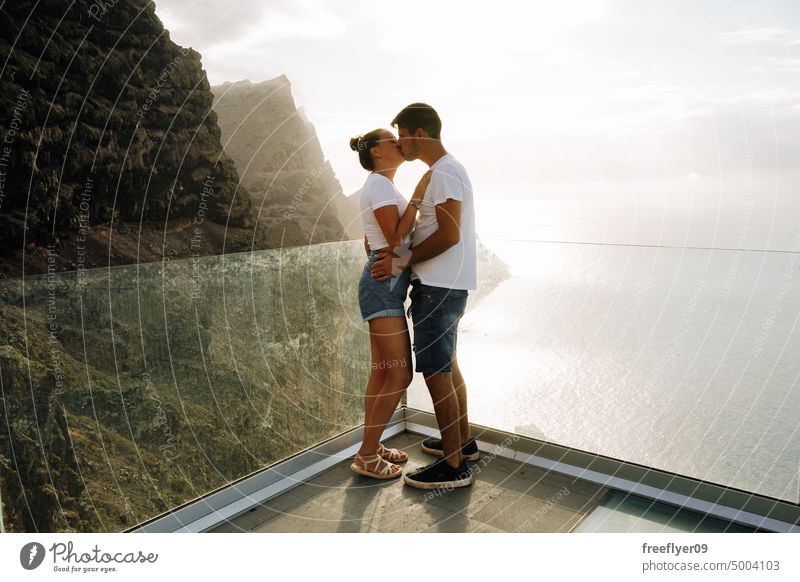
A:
[387,219]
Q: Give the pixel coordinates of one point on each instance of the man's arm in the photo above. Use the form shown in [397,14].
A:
[366,245]
[448,215]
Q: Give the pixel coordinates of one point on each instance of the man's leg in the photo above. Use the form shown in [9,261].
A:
[436,312]
[461,394]
[445,405]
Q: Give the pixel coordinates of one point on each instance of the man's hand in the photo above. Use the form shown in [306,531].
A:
[388,264]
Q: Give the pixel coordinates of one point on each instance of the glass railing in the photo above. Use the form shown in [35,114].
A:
[679,359]
[130,390]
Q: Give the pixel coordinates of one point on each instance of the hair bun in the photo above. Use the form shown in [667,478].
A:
[354,141]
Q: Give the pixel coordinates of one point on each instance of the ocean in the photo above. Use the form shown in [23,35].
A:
[686,360]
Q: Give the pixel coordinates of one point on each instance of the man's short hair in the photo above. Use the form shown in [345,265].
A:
[419,115]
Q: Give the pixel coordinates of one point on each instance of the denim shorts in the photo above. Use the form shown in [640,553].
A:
[436,312]
[382,298]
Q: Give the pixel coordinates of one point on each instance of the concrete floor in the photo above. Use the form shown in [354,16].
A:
[506,496]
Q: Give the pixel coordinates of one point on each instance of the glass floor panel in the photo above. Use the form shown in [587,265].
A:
[621,512]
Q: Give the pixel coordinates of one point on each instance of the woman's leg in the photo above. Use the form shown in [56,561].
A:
[391,350]
[377,378]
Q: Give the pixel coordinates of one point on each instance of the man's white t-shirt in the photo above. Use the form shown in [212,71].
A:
[379,191]
[457,267]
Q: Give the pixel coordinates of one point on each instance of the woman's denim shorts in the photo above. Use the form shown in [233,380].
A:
[382,298]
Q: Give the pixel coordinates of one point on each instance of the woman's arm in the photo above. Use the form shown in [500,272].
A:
[395,227]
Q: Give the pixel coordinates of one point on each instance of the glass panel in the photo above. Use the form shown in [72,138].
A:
[620,512]
[680,359]
[128,391]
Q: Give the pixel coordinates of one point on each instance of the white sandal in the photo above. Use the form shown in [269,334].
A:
[394,455]
[384,471]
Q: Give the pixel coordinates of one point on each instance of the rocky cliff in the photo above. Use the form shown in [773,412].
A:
[280,161]
[110,149]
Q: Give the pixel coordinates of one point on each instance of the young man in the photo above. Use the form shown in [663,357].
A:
[443,259]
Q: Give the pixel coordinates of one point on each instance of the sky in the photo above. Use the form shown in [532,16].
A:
[643,122]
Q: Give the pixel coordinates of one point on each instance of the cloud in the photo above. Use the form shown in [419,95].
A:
[755,35]
[202,22]
[470,28]
[304,19]
[790,65]
[759,98]
[206,23]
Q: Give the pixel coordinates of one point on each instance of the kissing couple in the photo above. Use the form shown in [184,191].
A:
[427,243]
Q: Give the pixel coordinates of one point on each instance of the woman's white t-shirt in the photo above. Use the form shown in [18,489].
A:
[379,191]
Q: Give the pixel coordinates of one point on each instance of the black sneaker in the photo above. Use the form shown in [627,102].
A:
[439,475]
[469,450]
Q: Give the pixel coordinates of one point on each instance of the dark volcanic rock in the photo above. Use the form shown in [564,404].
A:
[104,120]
